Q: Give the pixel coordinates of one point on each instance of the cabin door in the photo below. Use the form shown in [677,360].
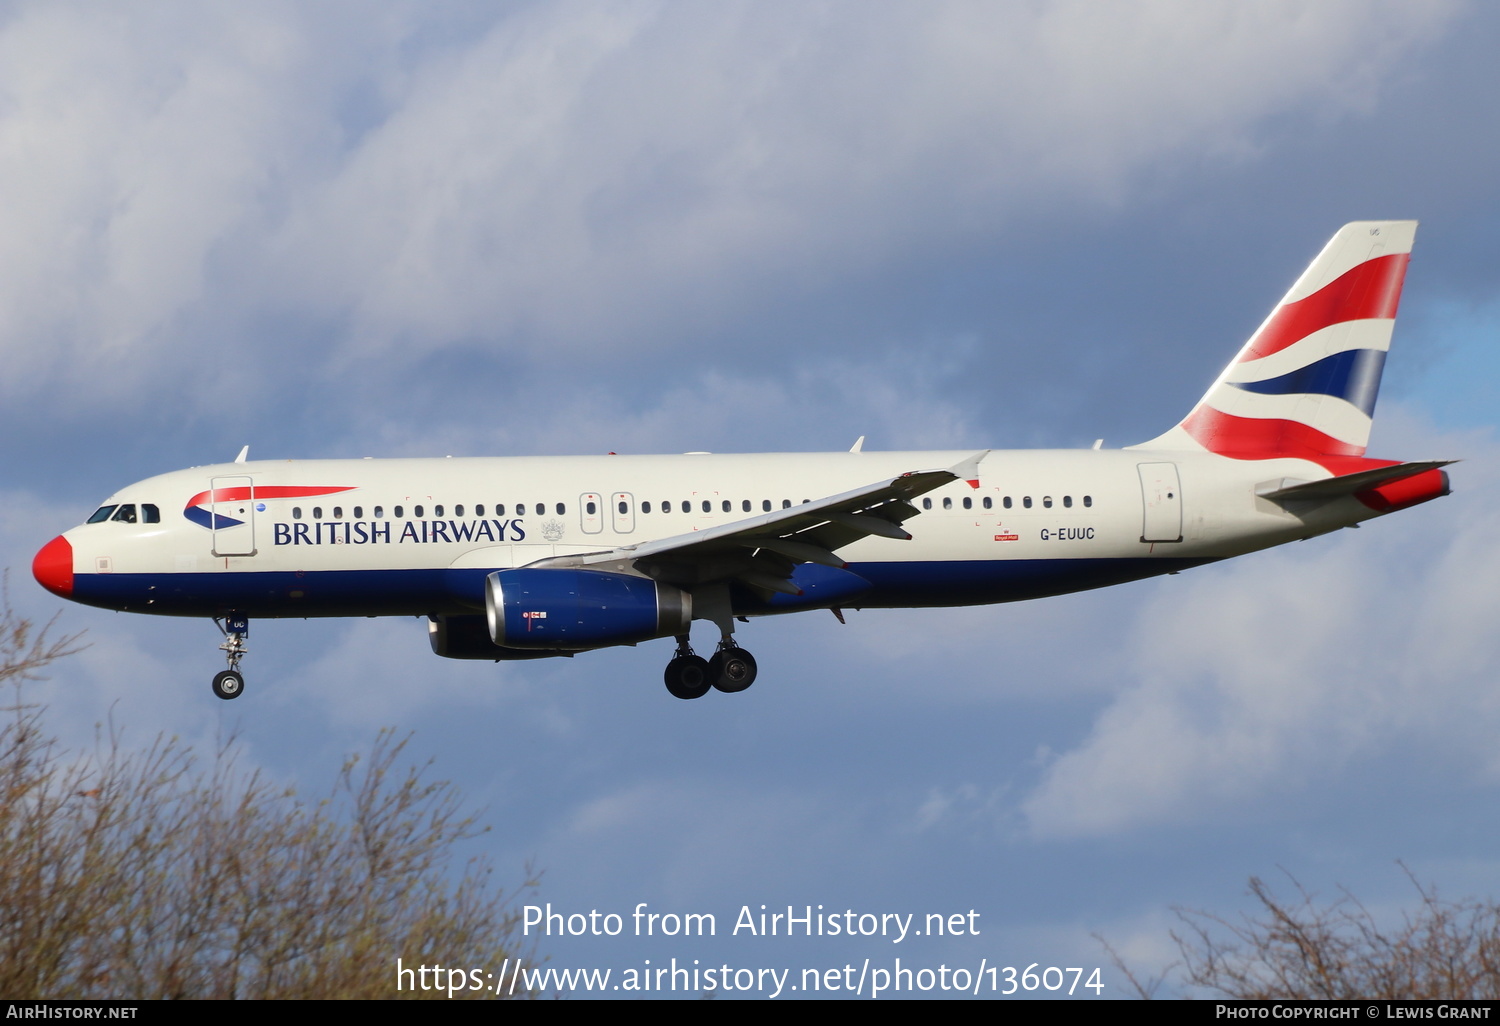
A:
[1161,493]
[231,505]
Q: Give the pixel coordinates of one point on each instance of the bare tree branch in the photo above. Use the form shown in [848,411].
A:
[1304,948]
[142,873]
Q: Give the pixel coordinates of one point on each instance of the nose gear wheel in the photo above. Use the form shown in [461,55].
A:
[230,683]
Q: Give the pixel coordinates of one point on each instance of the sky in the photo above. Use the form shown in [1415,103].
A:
[427,229]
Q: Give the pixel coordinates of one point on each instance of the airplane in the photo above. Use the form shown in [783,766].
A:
[529,557]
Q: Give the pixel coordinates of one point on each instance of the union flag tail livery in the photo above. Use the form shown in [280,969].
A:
[1305,383]
[528,557]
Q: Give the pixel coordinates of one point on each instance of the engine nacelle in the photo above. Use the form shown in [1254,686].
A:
[581,609]
[468,637]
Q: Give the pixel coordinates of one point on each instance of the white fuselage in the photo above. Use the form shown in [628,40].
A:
[412,536]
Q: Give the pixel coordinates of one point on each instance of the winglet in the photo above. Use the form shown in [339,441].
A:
[859,444]
[243,453]
[968,470]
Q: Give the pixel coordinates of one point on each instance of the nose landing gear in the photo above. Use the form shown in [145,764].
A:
[230,683]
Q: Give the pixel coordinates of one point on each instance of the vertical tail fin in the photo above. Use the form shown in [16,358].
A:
[1305,383]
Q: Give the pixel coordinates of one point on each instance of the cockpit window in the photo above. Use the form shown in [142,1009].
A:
[101,514]
[125,514]
[150,514]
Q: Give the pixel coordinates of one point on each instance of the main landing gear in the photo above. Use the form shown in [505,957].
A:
[731,670]
[230,683]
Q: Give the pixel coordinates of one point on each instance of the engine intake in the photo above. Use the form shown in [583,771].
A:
[581,609]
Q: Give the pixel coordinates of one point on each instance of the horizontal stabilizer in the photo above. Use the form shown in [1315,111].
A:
[1284,490]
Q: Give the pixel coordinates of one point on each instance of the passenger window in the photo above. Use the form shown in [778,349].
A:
[297,513]
[1088,500]
[646,507]
[926,503]
[499,509]
[590,508]
[416,511]
[125,514]
[1026,502]
[1047,501]
[338,512]
[397,512]
[765,504]
[968,502]
[1067,502]
[1007,502]
[666,507]
[317,512]
[727,506]
[379,512]
[947,502]
[786,503]
[101,514]
[707,506]
[479,510]
[562,509]
[687,507]
[437,511]
[359,512]
[745,505]
[458,510]
[624,507]
[541,509]
[988,502]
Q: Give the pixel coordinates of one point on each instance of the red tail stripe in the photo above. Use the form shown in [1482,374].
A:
[265,492]
[1372,289]
[1255,438]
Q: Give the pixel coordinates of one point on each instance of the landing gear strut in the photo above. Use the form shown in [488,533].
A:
[230,683]
[731,670]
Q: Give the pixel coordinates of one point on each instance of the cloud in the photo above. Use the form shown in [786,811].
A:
[590,173]
[1257,678]
[203,197]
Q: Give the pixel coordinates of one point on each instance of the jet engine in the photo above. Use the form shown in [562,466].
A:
[581,609]
[468,637]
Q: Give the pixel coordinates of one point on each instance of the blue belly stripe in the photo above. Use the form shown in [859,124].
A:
[286,593]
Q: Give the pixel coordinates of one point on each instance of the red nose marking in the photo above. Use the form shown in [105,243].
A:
[53,567]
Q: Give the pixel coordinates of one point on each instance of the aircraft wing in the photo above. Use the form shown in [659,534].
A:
[762,551]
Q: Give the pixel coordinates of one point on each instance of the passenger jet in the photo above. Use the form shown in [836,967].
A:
[519,558]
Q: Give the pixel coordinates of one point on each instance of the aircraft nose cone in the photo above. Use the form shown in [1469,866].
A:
[53,567]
